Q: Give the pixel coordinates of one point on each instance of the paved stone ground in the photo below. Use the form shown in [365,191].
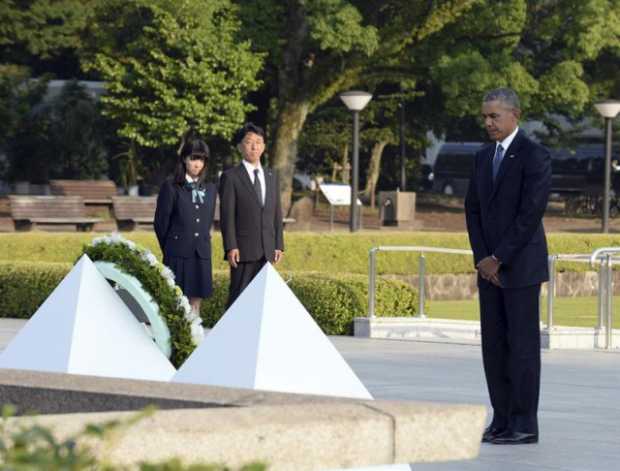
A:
[579,414]
[579,410]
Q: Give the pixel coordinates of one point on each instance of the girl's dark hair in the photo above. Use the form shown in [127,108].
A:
[193,147]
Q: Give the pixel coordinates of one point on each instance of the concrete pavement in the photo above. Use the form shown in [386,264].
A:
[579,414]
[579,410]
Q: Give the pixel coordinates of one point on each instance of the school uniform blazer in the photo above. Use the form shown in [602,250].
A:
[182,226]
[504,218]
[246,225]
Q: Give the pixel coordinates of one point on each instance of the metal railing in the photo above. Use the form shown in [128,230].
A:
[604,256]
[372,271]
[552,260]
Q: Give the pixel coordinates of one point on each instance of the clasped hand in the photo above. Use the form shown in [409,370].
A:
[488,268]
[233,257]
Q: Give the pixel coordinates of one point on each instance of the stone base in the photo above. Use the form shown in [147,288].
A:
[235,427]
[457,331]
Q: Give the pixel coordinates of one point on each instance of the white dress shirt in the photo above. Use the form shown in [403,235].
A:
[261,176]
[506,142]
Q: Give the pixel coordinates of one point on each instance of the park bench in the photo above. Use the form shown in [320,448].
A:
[97,194]
[92,191]
[6,223]
[134,212]
[50,212]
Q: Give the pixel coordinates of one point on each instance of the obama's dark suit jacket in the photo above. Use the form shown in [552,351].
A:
[504,219]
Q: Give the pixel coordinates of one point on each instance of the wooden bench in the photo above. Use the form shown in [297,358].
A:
[50,212]
[97,194]
[93,191]
[6,223]
[134,212]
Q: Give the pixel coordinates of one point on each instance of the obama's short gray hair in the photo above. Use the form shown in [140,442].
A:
[506,95]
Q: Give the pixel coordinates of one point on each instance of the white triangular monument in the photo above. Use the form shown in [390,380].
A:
[84,327]
[268,341]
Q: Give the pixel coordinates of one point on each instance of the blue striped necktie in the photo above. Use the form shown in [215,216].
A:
[497,160]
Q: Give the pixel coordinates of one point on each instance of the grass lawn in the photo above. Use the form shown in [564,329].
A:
[578,312]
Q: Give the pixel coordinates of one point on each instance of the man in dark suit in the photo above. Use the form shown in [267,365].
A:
[250,213]
[505,203]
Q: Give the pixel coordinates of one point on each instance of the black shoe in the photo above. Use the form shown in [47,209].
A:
[491,432]
[515,438]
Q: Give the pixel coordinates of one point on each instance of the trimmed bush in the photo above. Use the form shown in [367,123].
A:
[333,301]
[327,253]
[25,285]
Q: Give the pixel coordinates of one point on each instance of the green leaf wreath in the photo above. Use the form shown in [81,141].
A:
[158,281]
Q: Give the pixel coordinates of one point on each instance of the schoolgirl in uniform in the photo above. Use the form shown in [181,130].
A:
[183,219]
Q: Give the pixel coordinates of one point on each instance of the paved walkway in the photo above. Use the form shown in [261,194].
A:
[579,410]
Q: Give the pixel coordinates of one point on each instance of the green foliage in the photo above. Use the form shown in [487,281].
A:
[337,25]
[332,300]
[76,144]
[17,97]
[23,289]
[26,446]
[42,27]
[57,138]
[533,47]
[310,252]
[166,297]
[171,64]
[18,134]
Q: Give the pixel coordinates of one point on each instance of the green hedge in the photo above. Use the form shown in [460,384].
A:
[316,252]
[333,301]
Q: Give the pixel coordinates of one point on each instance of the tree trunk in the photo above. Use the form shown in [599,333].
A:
[374,168]
[344,173]
[290,121]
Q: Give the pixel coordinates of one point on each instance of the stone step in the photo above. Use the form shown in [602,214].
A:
[468,332]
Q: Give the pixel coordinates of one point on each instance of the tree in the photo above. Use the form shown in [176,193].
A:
[534,47]
[76,142]
[57,138]
[169,65]
[454,50]
[324,142]
[44,35]
[317,48]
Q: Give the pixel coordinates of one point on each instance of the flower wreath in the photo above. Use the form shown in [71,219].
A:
[157,280]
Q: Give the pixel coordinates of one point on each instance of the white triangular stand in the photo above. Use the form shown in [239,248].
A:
[84,327]
[268,341]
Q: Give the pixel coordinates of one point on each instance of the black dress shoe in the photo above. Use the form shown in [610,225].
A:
[491,432]
[514,438]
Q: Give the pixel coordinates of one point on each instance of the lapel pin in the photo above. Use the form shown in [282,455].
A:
[511,156]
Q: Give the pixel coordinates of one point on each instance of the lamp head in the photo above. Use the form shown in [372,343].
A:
[608,108]
[355,100]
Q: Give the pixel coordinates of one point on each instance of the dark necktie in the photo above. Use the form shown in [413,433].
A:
[257,187]
[497,160]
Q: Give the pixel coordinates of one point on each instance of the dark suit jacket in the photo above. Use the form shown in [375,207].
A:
[182,227]
[256,231]
[505,218]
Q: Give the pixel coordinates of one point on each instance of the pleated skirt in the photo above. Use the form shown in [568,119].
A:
[193,275]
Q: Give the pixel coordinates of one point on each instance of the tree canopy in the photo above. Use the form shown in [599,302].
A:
[172,64]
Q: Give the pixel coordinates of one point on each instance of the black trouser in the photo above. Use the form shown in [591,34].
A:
[510,328]
[241,277]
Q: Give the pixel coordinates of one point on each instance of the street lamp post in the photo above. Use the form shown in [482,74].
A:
[403,157]
[608,109]
[355,101]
